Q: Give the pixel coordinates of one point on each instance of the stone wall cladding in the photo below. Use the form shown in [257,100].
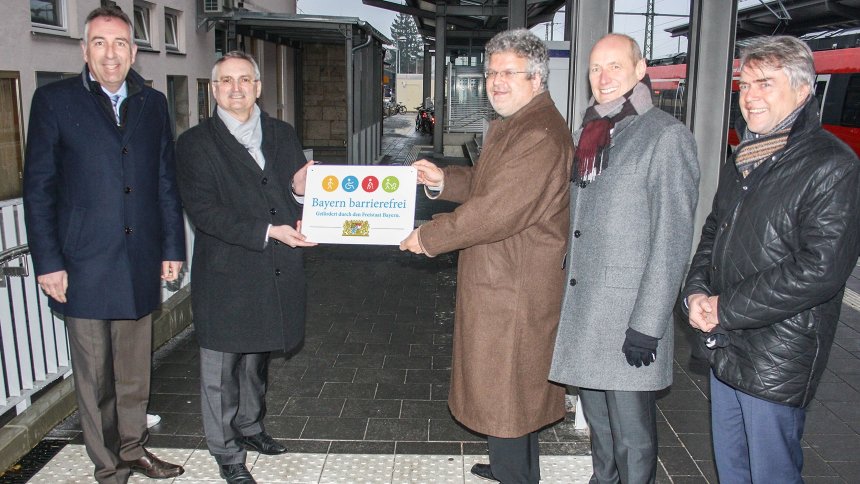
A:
[324,94]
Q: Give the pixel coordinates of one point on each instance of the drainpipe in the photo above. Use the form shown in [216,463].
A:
[350,99]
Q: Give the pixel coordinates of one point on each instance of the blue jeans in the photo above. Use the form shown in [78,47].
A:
[755,441]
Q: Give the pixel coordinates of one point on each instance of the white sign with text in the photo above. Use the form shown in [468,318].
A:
[347,204]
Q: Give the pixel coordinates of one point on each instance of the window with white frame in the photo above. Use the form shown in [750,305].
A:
[141,24]
[48,13]
[171,31]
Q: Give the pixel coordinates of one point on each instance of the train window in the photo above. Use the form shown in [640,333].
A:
[851,107]
[734,109]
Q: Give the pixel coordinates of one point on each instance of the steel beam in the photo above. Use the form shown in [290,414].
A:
[588,21]
[517,16]
[708,92]
[439,78]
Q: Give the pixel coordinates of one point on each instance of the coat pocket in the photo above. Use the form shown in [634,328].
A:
[622,277]
[73,230]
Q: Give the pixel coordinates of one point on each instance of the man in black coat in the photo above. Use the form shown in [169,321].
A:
[241,177]
[104,224]
[767,280]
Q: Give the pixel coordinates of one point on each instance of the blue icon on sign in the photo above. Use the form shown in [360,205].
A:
[350,183]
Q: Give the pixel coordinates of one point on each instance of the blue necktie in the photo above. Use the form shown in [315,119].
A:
[114,99]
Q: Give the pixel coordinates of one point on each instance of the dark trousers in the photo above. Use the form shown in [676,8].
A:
[111,369]
[516,460]
[623,435]
[233,400]
[755,441]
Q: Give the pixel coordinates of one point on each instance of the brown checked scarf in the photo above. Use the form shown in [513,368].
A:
[591,156]
[755,148]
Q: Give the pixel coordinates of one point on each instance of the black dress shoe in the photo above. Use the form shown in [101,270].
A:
[154,468]
[263,443]
[236,474]
[484,472]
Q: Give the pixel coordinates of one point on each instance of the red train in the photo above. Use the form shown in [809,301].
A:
[837,87]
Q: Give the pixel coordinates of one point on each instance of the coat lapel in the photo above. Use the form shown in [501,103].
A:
[227,142]
[270,147]
[134,111]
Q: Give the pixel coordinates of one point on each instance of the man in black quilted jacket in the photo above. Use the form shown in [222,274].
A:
[767,279]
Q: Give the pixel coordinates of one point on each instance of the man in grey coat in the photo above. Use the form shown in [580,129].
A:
[634,191]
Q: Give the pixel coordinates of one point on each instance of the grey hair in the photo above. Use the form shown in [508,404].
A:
[523,43]
[785,52]
[236,54]
[111,11]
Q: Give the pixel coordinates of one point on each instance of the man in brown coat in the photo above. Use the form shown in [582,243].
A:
[512,227]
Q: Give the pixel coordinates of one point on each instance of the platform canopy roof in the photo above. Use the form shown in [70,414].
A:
[794,17]
[285,28]
[470,22]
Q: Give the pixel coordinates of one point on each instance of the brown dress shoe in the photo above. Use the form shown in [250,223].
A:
[153,467]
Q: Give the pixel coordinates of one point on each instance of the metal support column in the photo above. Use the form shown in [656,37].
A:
[568,7]
[587,22]
[232,38]
[350,101]
[516,14]
[709,82]
[426,79]
[439,78]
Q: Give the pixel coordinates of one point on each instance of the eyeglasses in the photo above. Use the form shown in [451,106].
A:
[243,81]
[503,75]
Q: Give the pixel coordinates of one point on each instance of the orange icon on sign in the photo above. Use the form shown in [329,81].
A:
[330,183]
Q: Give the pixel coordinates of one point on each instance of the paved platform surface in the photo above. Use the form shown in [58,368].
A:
[364,399]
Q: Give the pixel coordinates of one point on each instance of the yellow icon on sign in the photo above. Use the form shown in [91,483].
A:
[330,183]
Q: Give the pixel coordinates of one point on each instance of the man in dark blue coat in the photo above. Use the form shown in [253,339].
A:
[104,223]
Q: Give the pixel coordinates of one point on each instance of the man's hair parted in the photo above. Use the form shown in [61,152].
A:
[236,54]
[111,11]
[785,52]
[526,44]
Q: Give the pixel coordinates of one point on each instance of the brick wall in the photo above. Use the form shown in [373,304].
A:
[324,97]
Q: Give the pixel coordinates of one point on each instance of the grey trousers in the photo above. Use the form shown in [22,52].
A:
[111,368]
[232,400]
[515,460]
[623,435]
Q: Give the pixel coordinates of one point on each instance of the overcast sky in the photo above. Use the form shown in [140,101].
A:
[633,25]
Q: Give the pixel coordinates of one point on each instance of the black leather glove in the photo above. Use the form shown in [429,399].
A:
[717,338]
[640,349]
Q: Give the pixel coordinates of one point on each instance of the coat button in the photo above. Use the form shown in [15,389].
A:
[577,233]
[127,190]
[724,226]
[582,184]
[273,211]
[744,187]
[277,242]
[128,230]
[572,282]
[714,268]
[277,272]
[124,150]
[264,180]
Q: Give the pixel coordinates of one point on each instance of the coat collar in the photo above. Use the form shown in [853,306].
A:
[132,106]
[134,82]
[807,122]
[538,103]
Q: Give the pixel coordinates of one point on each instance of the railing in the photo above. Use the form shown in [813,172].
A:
[34,349]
